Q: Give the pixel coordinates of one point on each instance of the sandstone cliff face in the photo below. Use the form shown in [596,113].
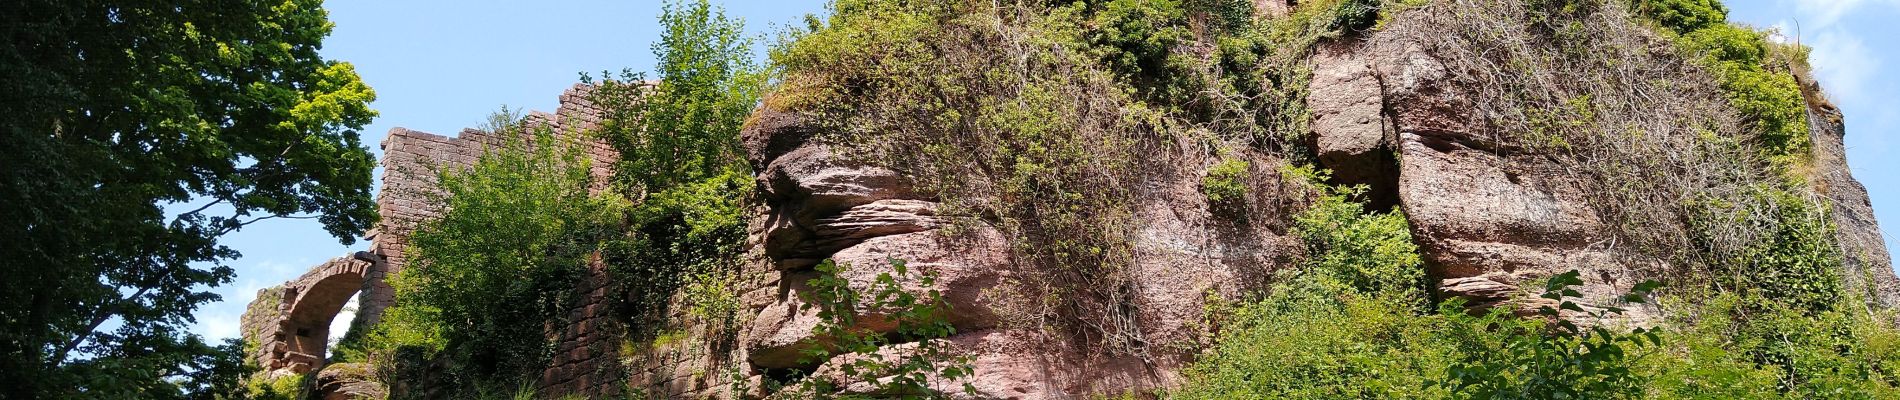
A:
[1389,114]
[823,205]
[1426,110]
[1491,215]
[1862,248]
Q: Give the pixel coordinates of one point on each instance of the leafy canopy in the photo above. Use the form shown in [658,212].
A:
[117,115]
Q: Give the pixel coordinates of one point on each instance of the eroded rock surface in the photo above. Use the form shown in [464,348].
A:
[1352,135]
[349,381]
[1491,217]
[1862,247]
[1488,218]
[822,204]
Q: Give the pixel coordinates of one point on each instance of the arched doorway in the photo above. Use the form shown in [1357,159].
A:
[300,338]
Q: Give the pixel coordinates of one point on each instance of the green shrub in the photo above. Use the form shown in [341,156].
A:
[1316,338]
[1505,357]
[517,233]
[1226,182]
[1137,39]
[1224,15]
[1760,87]
[1787,254]
[1683,16]
[683,129]
[1732,346]
[689,234]
[284,387]
[1370,252]
[1351,16]
[679,144]
[1354,300]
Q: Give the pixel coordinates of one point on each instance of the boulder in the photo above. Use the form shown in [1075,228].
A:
[782,332]
[349,381]
[1351,134]
[796,244]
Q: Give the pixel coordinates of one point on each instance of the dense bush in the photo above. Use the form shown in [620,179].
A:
[1548,357]
[517,233]
[1756,79]
[1226,181]
[1223,15]
[1317,336]
[683,127]
[1683,16]
[286,387]
[678,137]
[1794,262]
[1747,346]
[1369,252]
[1354,301]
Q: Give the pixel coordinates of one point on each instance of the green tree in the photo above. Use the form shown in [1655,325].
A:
[138,133]
[518,233]
[523,224]
[684,127]
[678,138]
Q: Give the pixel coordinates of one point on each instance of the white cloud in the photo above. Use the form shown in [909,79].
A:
[341,324]
[219,320]
[215,327]
[1843,64]
[1780,32]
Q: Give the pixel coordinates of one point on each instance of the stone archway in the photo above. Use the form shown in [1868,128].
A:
[291,323]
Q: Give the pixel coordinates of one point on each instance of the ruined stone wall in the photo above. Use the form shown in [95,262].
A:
[587,341]
[411,160]
[259,322]
[288,326]
[586,360]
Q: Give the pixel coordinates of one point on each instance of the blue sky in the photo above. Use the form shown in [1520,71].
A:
[439,66]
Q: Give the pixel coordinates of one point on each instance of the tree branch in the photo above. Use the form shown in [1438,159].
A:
[105,313]
[240,225]
[198,210]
